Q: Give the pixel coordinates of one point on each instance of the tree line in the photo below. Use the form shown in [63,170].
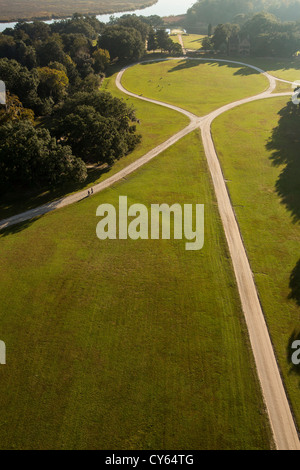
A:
[56,118]
[268,36]
[235,11]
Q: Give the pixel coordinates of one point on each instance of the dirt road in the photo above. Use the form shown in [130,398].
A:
[182,44]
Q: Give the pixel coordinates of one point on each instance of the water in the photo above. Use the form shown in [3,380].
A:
[161,8]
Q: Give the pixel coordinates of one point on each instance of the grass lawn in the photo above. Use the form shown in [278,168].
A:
[196,86]
[282,87]
[175,38]
[126,344]
[193,41]
[157,124]
[287,69]
[266,198]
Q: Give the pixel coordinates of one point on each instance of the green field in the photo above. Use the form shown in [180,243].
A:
[141,344]
[287,69]
[196,86]
[123,344]
[157,124]
[190,41]
[259,153]
[193,41]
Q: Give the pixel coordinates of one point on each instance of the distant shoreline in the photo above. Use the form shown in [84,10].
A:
[101,11]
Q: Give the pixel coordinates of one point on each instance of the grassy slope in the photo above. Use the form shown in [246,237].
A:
[271,237]
[157,124]
[122,344]
[198,87]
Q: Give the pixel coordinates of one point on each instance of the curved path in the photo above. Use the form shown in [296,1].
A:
[281,419]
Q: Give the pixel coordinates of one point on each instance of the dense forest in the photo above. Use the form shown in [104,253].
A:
[56,118]
[267,35]
[236,11]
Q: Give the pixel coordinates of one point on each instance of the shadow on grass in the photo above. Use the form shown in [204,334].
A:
[290,350]
[295,284]
[269,63]
[18,227]
[285,146]
[17,201]
[157,59]
[193,62]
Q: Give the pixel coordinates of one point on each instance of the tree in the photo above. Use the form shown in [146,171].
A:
[132,21]
[30,157]
[53,83]
[209,30]
[153,20]
[17,50]
[98,127]
[21,82]
[222,33]
[101,60]
[152,44]
[217,11]
[162,38]
[90,83]
[174,48]
[15,111]
[51,51]
[30,33]
[122,43]
[76,44]
[207,44]
[260,23]
[88,26]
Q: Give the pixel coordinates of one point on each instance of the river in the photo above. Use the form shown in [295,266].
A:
[161,8]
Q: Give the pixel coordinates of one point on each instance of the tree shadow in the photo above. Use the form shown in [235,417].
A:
[17,228]
[157,59]
[295,284]
[198,41]
[294,368]
[285,146]
[18,200]
[269,63]
[245,71]
[194,62]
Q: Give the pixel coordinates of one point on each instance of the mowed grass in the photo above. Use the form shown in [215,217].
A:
[175,38]
[126,344]
[197,86]
[193,41]
[156,124]
[286,69]
[190,41]
[282,87]
[270,230]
